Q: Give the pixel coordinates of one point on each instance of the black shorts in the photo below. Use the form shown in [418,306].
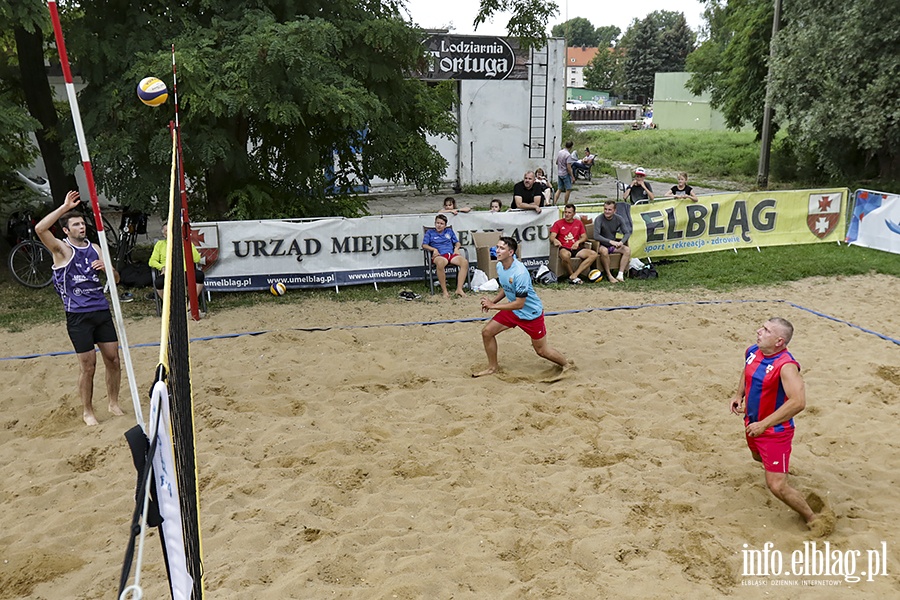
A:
[160,282]
[90,328]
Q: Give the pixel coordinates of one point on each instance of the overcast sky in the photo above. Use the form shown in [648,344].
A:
[435,14]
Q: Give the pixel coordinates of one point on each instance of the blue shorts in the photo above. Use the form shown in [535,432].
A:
[565,182]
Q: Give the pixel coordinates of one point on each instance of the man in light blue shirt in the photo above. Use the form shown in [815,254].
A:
[522,309]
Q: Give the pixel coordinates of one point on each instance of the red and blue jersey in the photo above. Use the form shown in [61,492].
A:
[763,391]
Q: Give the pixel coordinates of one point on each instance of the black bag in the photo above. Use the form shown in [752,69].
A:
[136,275]
[646,272]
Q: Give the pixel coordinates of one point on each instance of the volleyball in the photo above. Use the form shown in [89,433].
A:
[152,91]
[278,289]
[595,275]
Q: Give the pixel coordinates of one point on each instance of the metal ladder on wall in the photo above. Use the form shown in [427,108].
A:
[537,127]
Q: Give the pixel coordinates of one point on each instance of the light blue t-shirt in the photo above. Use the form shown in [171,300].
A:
[516,283]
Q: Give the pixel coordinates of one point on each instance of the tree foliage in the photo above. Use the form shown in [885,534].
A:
[658,43]
[16,149]
[528,20]
[605,71]
[577,32]
[834,78]
[732,64]
[835,86]
[279,102]
[607,36]
[581,32]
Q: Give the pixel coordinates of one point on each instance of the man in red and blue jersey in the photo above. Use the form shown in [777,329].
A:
[770,394]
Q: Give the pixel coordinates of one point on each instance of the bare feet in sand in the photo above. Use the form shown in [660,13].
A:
[489,371]
[563,373]
[114,409]
[460,293]
[823,523]
[89,419]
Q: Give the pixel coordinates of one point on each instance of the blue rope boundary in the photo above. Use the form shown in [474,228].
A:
[481,319]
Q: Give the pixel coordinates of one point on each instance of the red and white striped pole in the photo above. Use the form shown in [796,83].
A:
[95,205]
[185,218]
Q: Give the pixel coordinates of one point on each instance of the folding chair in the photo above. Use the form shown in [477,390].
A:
[205,297]
[449,270]
[623,180]
[582,172]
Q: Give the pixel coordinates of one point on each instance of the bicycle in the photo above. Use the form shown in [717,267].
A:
[132,223]
[30,262]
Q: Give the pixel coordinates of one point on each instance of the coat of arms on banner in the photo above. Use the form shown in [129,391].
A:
[206,239]
[824,213]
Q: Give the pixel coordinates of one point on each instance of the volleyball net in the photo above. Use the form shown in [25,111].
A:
[167,491]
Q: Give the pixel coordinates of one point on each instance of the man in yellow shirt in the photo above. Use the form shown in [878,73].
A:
[158,262]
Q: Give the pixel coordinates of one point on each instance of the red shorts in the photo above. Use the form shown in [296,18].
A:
[535,328]
[774,448]
[449,257]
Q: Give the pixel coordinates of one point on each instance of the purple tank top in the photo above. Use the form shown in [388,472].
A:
[78,284]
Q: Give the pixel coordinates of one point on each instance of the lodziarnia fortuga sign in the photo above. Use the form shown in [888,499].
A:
[470,57]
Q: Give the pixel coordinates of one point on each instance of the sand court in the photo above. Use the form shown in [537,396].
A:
[365,462]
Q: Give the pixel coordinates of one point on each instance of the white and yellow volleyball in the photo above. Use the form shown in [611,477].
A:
[152,91]
[278,289]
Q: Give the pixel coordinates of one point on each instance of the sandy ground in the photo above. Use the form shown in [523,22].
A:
[366,463]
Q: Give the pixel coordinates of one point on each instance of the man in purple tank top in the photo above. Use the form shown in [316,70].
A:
[76,263]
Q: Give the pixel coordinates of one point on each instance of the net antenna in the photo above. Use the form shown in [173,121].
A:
[185,219]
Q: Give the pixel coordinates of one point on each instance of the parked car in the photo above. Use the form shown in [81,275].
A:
[592,104]
[575,105]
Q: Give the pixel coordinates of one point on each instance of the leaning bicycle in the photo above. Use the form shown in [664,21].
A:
[30,263]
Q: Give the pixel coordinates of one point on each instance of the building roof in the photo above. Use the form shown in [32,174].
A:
[579,56]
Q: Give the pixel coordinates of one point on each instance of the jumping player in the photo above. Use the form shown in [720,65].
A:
[76,262]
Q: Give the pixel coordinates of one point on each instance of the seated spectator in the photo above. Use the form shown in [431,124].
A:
[158,261]
[496,205]
[588,157]
[541,177]
[683,190]
[568,235]
[450,207]
[528,194]
[606,229]
[444,247]
[583,167]
[640,189]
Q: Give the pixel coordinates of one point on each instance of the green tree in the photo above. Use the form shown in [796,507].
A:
[605,71]
[658,43]
[606,36]
[835,84]
[273,97]
[577,32]
[528,21]
[26,99]
[732,64]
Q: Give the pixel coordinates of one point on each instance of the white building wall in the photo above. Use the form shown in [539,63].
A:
[494,128]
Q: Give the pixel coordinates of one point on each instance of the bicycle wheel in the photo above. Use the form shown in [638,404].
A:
[31,264]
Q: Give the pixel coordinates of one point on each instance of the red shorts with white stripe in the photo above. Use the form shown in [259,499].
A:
[774,448]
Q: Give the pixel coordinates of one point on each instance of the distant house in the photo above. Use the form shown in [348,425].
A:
[577,58]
